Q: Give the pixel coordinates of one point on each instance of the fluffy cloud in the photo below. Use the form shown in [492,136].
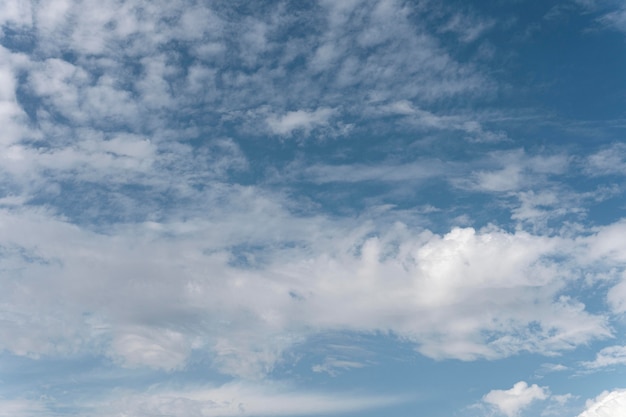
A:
[607,404]
[156,292]
[511,402]
[175,240]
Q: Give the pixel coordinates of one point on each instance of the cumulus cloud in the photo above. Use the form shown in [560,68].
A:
[511,402]
[159,291]
[607,404]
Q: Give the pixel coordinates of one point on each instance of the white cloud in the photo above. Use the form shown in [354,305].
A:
[168,257]
[161,290]
[15,13]
[157,348]
[468,28]
[511,402]
[238,399]
[608,356]
[607,243]
[607,404]
[516,171]
[12,117]
[333,366]
[615,20]
[616,296]
[554,367]
[611,160]
[21,407]
[558,405]
[300,119]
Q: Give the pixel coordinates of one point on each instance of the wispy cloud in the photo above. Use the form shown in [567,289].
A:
[614,20]
[608,356]
[239,399]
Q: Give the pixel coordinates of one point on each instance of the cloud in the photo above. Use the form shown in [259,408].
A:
[12,117]
[511,402]
[20,407]
[419,118]
[607,404]
[516,171]
[299,120]
[412,172]
[553,367]
[608,356]
[159,348]
[615,20]
[139,225]
[608,161]
[159,291]
[605,244]
[333,366]
[616,296]
[559,405]
[468,28]
[238,399]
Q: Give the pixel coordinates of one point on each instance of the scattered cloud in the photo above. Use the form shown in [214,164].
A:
[152,212]
[464,294]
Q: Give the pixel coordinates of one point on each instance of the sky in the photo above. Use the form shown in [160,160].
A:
[312,208]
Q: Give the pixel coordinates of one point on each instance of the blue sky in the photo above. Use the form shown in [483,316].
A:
[343,208]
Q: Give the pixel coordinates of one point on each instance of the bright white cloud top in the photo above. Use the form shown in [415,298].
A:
[292,208]
[511,402]
[607,404]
